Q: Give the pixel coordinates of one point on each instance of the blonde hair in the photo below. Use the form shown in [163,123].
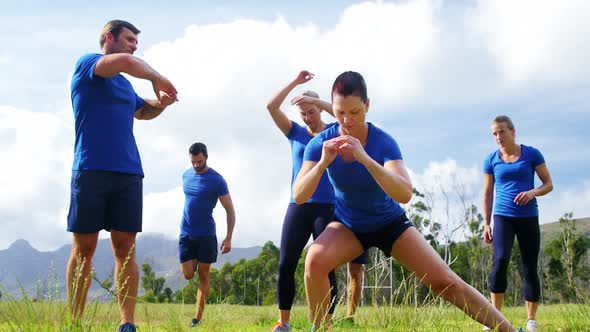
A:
[505,119]
[310,93]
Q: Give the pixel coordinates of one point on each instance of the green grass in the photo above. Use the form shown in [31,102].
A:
[25,315]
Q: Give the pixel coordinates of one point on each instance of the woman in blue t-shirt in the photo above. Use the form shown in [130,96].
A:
[365,166]
[307,219]
[512,170]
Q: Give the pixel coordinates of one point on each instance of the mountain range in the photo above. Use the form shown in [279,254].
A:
[24,267]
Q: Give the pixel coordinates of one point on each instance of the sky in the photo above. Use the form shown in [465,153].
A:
[437,73]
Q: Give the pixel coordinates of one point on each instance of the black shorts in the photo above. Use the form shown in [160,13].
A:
[362,259]
[105,200]
[201,248]
[384,237]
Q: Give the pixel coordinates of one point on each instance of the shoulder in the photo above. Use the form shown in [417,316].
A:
[532,154]
[530,149]
[187,172]
[326,134]
[379,132]
[88,58]
[329,132]
[296,131]
[491,156]
[214,174]
[296,127]
[381,136]
[330,125]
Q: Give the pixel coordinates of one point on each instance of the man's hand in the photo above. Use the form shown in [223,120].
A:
[161,83]
[165,100]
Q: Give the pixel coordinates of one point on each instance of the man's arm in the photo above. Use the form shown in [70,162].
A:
[114,64]
[152,108]
[231,222]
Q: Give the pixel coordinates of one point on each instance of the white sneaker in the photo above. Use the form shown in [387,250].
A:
[531,325]
[485,328]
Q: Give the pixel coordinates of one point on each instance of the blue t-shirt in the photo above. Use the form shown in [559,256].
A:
[361,204]
[103,112]
[513,178]
[201,193]
[298,138]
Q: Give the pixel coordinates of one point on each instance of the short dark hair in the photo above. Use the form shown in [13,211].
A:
[197,148]
[115,27]
[350,83]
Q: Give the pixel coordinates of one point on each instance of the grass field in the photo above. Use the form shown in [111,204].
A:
[29,316]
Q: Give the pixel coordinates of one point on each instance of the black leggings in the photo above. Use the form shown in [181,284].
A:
[528,233]
[301,221]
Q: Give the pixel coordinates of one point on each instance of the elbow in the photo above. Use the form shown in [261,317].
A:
[405,198]
[129,60]
[550,186]
[298,197]
[271,107]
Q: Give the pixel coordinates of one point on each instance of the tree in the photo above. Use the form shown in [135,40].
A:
[480,255]
[165,296]
[566,253]
[419,212]
[153,286]
[106,284]
[267,276]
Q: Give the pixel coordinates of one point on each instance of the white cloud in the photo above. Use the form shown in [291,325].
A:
[6,59]
[535,40]
[574,199]
[409,52]
[162,211]
[225,74]
[35,176]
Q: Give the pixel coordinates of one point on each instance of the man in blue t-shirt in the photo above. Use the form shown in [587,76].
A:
[197,246]
[106,185]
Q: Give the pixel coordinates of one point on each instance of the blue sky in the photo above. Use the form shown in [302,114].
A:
[437,73]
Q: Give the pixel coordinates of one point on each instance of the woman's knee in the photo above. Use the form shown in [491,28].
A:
[316,264]
[501,263]
[447,285]
[287,267]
